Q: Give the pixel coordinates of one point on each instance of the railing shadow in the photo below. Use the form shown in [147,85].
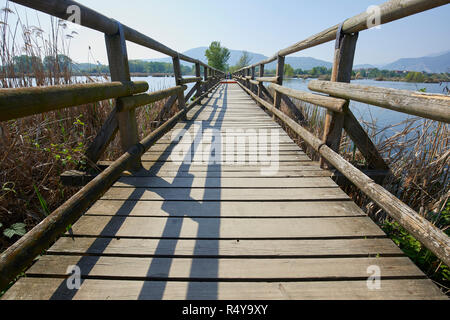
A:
[168,242]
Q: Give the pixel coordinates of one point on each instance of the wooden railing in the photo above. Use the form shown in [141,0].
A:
[22,102]
[340,117]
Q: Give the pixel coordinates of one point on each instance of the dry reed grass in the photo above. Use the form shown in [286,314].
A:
[35,150]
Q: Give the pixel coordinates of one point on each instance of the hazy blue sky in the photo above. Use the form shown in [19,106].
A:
[261,26]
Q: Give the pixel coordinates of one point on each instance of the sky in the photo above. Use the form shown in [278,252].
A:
[260,26]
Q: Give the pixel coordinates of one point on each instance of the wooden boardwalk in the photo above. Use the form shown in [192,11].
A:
[223,231]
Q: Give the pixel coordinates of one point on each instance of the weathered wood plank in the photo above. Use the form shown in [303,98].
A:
[157,182]
[44,289]
[216,194]
[232,228]
[225,248]
[224,269]
[227,209]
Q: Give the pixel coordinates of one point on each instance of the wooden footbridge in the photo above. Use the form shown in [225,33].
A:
[189,213]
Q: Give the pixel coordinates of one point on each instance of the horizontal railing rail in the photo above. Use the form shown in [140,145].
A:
[22,102]
[425,105]
[190,80]
[334,104]
[132,102]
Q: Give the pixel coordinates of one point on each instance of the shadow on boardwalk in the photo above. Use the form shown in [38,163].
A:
[159,269]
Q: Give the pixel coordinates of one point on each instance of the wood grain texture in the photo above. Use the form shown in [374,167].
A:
[43,289]
[232,228]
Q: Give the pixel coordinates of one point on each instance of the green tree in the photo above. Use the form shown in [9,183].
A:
[415,77]
[217,56]
[288,71]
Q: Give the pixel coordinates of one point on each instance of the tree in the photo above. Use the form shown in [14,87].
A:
[217,56]
[243,61]
[288,71]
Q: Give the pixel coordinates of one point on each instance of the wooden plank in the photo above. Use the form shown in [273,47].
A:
[227,209]
[157,182]
[225,248]
[167,147]
[232,228]
[216,194]
[224,269]
[233,174]
[44,289]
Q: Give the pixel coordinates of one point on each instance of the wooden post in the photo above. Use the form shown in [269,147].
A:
[253,87]
[199,83]
[342,72]
[280,74]
[118,65]
[178,76]
[261,74]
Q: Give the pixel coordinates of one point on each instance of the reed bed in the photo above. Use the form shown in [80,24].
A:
[37,149]
[418,154]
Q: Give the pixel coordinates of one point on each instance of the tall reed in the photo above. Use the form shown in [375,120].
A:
[418,154]
[37,149]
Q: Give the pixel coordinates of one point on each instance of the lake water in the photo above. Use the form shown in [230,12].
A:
[362,111]
[383,117]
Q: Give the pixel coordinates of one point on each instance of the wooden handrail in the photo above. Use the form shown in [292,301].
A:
[189,80]
[425,105]
[267,79]
[424,231]
[390,11]
[334,104]
[132,102]
[23,102]
[22,253]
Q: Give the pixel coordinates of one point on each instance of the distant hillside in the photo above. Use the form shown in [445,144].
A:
[437,63]
[431,64]
[304,63]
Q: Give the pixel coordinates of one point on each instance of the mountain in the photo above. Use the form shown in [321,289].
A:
[436,63]
[304,63]
[431,64]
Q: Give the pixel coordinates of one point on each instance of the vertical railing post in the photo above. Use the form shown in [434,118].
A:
[253,87]
[247,74]
[178,78]
[344,55]
[280,74]
[120,71]
[199,83]
[205,71]
[261,74]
